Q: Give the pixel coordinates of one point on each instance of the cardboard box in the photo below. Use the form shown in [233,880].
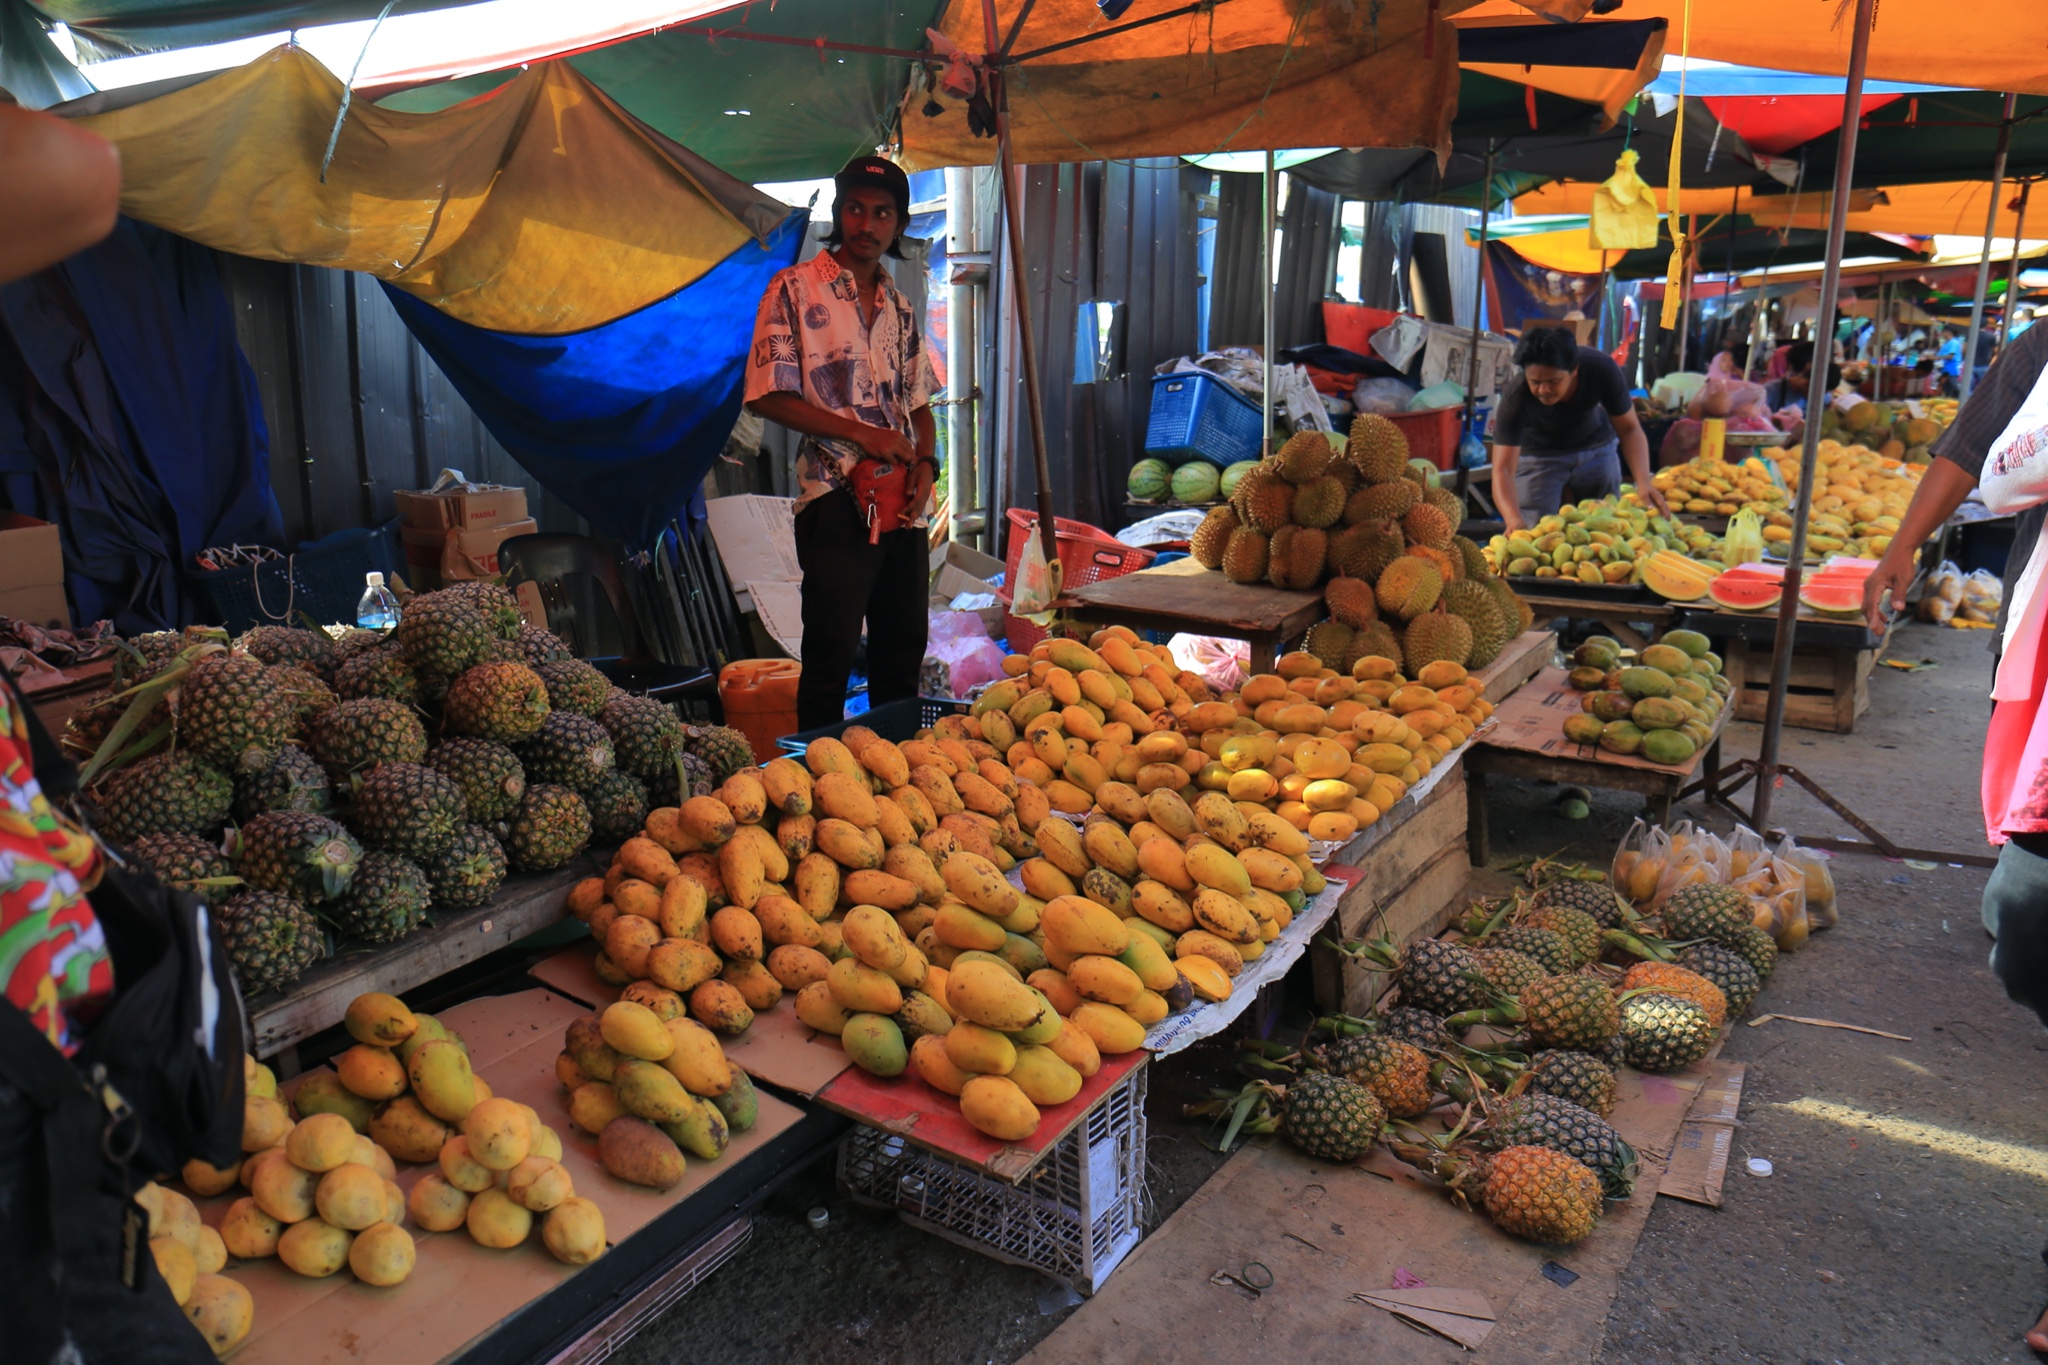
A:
[436,558]
[471,507]
[32,572]
[957,569]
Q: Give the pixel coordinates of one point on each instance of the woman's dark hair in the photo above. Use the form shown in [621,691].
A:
[1556,347]
[834,237]
[1798,357]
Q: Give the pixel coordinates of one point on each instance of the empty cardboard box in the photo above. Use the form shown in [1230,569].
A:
[32,572]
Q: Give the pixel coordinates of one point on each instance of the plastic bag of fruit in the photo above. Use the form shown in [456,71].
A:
[1639,863]
[1747,851]
[1982,595]
[1698,858]
[1819,881]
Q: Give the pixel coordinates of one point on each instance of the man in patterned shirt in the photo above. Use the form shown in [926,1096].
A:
[838,357]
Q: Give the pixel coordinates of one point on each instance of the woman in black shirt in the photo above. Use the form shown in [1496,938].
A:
[1563,431]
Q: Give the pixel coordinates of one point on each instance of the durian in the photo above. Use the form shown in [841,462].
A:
[1265,501]
[1370,556]
[1379,640]
[1304,458]
[1473,603]
[1329,641]
[1294,557]
[1408,588]
[1212,537]
[1352,601]
[1378,448]
[1436,635]
[1427,525]
[1244,557]
[1319,502]
[1381,502]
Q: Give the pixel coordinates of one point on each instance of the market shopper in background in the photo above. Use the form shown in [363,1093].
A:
[1564,429]
[838,357]
[2005,420]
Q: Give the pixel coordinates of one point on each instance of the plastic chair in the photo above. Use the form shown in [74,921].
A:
[548,559]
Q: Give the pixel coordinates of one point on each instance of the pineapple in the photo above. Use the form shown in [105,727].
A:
[499,607]
[646,736]
[295,781]
[289,645]
[307,857]
[1439,977]
[1542,1195]
[1579,930]
[1416,1026]
[408,809]
[1727,969]
[503,701]
[551,826]
[1717,913]
[1664,1032]
[569,750]
[574,685]
[1758,949]
[1580,1077]
[468,871]
[87,728]
[1596,899]
[490,775]
[443,633]
[385,901]
[1397,1073]
[1547,947]
[165,793]
[1508,971]
[271,939]
[378,671]
[689,772]
[307,691]
[1331,1118]
[618,807]
[538,646]
[1569,1011]
[358,735]
[141,657]
[1673,980]
[355,639]
[184,860]
[724,749]
[234,712]
[1541,1120]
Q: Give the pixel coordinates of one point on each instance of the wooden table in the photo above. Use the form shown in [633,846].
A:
[1521,659]
[1619,617]
[317,1000]
[1183,596]
[1527,741]
[1829,683]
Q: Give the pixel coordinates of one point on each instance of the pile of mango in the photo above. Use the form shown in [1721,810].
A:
[1859,494]
[1663,705]
[1599,540]
[651,1084]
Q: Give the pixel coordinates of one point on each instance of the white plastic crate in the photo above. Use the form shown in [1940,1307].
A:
[1075,1216]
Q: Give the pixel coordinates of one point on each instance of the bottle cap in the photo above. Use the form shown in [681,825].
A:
[373,579]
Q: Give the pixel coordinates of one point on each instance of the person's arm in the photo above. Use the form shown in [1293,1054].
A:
[1942,490]
[798,414]
[1635,453]
[1505,458]
[926,471]
[60,189]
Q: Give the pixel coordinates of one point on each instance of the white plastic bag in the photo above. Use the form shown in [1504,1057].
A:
[1983,594]
[1038,582]
[1639,863]
[1223,664]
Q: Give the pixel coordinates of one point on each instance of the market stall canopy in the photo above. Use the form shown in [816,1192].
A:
[1927,139]
[1731,243]
[1602,63]
[1241,76]
[1956,208]
[541,208]
[114,27]
[1576,196]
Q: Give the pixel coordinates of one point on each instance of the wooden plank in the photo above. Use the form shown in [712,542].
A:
[1420,909]
[1411,843]
[1532,723]
[1522,659]
[1186,592]
[320,998]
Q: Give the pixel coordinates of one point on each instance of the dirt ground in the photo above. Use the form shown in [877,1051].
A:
[1905,1214]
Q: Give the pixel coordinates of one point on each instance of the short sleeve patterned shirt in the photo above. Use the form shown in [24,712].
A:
[54,965]
[810,340]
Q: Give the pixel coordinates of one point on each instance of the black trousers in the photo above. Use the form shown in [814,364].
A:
[846,581]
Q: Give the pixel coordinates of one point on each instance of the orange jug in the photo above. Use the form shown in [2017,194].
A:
[759,696]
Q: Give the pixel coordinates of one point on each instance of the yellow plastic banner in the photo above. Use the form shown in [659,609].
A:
[1624,212]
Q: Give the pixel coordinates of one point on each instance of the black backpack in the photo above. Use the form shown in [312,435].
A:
[157,1079]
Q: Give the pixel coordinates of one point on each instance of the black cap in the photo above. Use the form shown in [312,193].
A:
[876,173]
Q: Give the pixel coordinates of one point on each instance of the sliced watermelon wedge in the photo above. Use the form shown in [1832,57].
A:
[1838,598]
[1738,591]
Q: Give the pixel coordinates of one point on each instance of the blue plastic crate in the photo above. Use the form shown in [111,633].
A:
[1196,416]
[892,720]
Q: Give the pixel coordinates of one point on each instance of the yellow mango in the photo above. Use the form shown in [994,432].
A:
[861,989]
[981,1051]
[633,1031]
[1109,1028]
[997,1107]
[1105,979]
[1077,925]
[819,1008]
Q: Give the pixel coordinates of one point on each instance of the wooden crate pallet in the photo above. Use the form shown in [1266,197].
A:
[1828,690]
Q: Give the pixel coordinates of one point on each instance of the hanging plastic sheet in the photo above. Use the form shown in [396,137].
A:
[623,420]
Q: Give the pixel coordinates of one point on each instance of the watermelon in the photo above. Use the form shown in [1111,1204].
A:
[1838,598]
[1148,481]
[1196,482]
[1235,475]
[1738,591]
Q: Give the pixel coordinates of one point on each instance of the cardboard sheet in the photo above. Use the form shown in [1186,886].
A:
[460,1291]
[1532,721]
[1699,1156]
[756,539]
[778,1049]
[907,1107]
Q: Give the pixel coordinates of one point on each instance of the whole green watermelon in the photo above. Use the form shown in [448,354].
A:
[1196,481]
[1148,481]
[1233,476]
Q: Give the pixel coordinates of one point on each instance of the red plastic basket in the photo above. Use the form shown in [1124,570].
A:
[1087,555]
[1432,434]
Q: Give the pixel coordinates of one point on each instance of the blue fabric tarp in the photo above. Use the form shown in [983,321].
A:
[129,417]
[622,421]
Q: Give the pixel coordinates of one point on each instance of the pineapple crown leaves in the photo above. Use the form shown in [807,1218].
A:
[121,746]
[1248,1112]
[1645,946]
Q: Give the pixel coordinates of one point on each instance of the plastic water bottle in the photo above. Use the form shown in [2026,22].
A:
[378,609]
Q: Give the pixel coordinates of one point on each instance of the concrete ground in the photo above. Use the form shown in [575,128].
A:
[1905,1215]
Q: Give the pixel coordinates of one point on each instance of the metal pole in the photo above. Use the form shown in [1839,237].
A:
[1478,300]
[1795,554]
[962,353]
[1966,378]
[2012,277]
[1034,404]
[1266,306]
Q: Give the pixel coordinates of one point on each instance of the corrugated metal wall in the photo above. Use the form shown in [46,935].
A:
[355,407]
[1462,259]
[1117,232]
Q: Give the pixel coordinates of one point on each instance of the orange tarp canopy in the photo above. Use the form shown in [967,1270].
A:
[1243,76]
[1576,196]
[1953,209]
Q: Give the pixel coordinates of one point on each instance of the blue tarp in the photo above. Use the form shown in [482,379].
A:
[622,421]
[129,417]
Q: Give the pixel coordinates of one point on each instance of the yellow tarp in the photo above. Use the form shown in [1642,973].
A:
[537,208]
[1245,76]
[1576,196]
[1955,208]
[1564,250]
